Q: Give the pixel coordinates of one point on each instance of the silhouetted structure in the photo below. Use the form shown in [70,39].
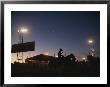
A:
[60,53]
[49,66]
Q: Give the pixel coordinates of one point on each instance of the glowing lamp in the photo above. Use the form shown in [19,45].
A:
[90,41]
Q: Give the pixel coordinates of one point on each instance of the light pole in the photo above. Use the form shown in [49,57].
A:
[91,47]
[21,31]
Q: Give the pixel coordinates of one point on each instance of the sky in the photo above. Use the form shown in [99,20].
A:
[52,30]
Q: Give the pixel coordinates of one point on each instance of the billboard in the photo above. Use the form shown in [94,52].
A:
[23,47]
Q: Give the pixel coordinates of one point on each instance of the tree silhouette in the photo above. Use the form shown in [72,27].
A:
[60,53]
[61,66]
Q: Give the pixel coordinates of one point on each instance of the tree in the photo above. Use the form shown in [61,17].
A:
[60,53]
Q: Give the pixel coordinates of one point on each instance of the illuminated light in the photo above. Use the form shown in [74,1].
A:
[23,30]
[18,30]
[90,41]
[84,58]
[56,56]
[46,54]
[92,54]
[71,59]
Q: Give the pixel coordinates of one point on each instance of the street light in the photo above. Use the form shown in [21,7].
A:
[90,41]
[21,31]
[91,47]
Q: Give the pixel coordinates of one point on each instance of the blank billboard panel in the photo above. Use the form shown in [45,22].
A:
[23,47]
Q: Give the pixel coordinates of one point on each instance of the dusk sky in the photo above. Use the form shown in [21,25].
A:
[52,30]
